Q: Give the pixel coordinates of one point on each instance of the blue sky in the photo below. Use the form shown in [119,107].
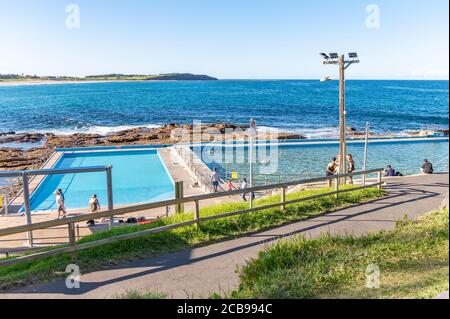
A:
[225,38]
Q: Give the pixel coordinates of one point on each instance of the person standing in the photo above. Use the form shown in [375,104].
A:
[230,185]
[59,198]
[94,205]
[331,170]
[244,186]
[215,179]
[351,168]
[62,193]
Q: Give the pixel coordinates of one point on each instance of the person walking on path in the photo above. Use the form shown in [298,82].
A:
[94,205]
[62,193]
[60,201]
[244,185]
[215,179]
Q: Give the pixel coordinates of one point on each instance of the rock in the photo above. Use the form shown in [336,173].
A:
[123,139]
[21,138]
[291,137]
[351,129]
[8,133]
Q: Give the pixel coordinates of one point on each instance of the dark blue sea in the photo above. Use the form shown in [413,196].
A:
[304,106]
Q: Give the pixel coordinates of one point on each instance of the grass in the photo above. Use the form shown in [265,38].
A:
[105,256]
[413,262]
[133,294]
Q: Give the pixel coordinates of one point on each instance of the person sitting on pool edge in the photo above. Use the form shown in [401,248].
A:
[389,171]
[427,167]
[94,205]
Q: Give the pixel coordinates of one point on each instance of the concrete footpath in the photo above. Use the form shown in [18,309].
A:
[200,271]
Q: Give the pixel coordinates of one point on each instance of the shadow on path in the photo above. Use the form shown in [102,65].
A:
[399,194]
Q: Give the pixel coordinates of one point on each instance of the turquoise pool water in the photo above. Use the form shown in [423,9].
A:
[306,161]
[138,177]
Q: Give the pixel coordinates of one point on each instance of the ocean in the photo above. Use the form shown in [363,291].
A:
[307,107]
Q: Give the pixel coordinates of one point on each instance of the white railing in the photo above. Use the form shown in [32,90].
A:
[200,171]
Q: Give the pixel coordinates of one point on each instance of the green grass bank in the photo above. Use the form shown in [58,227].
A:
[413,263]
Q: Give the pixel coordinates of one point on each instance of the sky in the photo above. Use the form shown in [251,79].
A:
[228,39]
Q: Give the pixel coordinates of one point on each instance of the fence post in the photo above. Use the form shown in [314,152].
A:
[283,198]
[366,147]
[337,187]
[5,204]
[109,187]
[178,195]
[379,181]
[78,232]
[197,214]
[26,200]
[72,239]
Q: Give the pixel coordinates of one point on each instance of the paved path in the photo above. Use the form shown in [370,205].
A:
[200,271]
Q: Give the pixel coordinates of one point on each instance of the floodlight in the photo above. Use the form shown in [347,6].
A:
[334,56]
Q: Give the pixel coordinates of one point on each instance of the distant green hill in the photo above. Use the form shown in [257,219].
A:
[110,77]
[181,77]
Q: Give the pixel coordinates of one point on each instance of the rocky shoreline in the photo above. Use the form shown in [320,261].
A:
[20,159]
[14,158]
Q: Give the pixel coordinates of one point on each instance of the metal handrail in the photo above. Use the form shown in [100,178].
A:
[194,166]
[70,222]
[62,171]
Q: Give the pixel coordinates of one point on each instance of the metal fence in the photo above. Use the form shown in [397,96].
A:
[24,176]
[70,223]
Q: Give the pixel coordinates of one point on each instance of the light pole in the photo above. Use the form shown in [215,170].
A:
[366,150]
[334,58]
[252,132]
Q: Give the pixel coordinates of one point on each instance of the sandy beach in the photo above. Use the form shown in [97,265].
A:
[49,82]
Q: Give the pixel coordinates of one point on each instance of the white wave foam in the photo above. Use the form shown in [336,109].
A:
[323,132]
[417,89]
[98,129]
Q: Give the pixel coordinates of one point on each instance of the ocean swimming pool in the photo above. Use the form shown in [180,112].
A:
[288,162]
[138,177]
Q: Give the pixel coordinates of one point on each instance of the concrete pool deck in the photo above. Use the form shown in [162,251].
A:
[59,235]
